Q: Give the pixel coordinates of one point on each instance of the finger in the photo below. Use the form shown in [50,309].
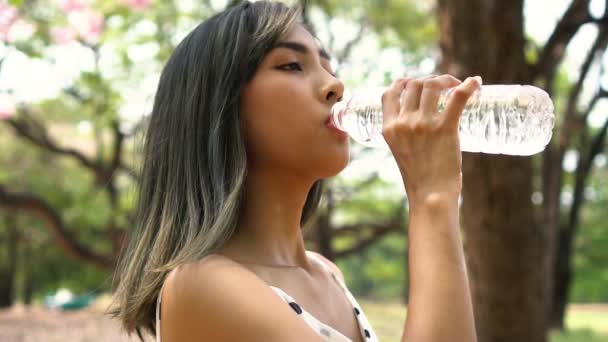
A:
[391,98]
[458,99]
[431,91]
[412,94]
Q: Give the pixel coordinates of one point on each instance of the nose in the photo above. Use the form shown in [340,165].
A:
[333,89]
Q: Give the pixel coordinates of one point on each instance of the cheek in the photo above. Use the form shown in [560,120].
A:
[275,119]
[281,130]
[277,140]
[308,151]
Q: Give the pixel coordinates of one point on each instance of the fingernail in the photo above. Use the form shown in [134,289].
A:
[479,80]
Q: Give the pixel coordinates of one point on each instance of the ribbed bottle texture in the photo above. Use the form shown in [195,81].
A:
[500,119]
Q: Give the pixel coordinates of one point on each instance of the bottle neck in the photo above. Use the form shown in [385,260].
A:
[337,113]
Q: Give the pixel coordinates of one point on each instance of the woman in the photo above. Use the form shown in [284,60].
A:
[235,156]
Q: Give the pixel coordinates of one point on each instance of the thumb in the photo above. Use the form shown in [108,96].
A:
[458,99]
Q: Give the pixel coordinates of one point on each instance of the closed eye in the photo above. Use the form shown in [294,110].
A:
[291,67]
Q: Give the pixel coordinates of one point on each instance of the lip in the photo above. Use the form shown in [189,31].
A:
[329,123]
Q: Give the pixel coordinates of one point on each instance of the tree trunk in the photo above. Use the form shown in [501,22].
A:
[508,252]
[562,278]
[567,232]
[8,271]
[28,261]
[552,183]
[6,290]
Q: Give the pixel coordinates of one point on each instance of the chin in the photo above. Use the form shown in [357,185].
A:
[333,166]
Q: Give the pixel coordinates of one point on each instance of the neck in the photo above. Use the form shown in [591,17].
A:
[269,231]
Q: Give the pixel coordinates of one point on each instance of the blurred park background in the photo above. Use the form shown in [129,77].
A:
[77,80]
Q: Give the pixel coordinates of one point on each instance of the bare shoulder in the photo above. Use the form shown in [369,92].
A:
[217,299]
[329,263]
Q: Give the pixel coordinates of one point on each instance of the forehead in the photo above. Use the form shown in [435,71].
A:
[301,35]
[301,41]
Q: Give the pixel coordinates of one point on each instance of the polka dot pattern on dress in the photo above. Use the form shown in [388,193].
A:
[329,334]
[325,332]
[296,307]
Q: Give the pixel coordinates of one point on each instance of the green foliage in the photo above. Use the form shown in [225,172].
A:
[82,118]
[369,204]
[380,271]
[531,51]
[405,24]
[591,255]
[388,317]
[584,335]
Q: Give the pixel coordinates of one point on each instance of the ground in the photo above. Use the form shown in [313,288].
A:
[21,324]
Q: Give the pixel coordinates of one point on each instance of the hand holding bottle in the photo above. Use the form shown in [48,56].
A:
[507,119]
[424,142]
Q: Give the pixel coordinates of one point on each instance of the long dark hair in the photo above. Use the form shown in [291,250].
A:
[194,158]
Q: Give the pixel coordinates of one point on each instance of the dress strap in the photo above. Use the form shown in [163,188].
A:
[325,330]
[364,325]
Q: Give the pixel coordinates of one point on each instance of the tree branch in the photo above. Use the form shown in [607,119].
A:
[304,6]
[583,169]
[343,55]
[33,131]
[582,173]
[596,51]
[601,93]
[341,193]
[55,225]
[359,228]
[119,138]
[30,129]
[378,232]
[555,48]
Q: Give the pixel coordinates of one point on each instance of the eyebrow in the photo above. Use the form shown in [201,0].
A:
[301,48]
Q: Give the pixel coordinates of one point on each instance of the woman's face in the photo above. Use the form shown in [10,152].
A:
[284,110]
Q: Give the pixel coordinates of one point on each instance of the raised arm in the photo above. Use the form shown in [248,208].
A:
[426,147]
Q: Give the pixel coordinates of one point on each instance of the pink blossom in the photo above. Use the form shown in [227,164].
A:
[63,35]
[137,5]
[7,106]
[87,23]
[68,6]
[8,16]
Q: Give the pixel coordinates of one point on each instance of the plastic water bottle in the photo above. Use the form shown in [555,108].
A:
[501,119]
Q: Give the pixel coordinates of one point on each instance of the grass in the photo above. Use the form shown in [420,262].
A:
[588,317]
[386,318]
[584,335]
[585,323]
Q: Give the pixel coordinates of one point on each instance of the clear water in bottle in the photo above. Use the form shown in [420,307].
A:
[500,119]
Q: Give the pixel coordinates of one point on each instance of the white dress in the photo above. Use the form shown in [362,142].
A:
[327,332]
